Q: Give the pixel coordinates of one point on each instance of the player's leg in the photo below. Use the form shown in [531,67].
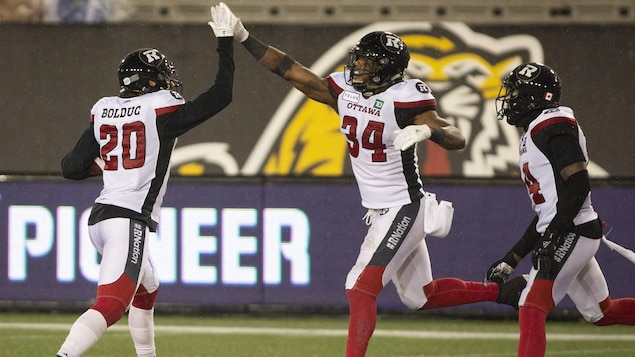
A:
[412,276]
[535,303]
[117,282]
[387,243]
[446,292]
[141,313]
[546,289]
[418,291]
[141,322]
[588,290]
[591,297]
[617,312]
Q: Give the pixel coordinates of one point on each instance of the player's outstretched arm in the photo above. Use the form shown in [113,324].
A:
[280,63]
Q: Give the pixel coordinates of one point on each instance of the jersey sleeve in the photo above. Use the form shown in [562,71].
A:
[416,99]
[77,163]
[558,139]
[179,119]
[334,88]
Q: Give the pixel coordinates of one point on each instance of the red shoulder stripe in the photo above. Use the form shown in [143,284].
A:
[551,121]
[166,110]
[417,104]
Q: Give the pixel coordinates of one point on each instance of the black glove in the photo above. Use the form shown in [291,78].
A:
[544,250]
[501,269]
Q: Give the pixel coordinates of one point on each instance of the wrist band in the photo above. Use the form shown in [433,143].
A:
[438,135]
[255,47]
[283,66]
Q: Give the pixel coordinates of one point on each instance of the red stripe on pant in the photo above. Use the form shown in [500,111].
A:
[112,299]
[533,317]
[617,312]
[362,301]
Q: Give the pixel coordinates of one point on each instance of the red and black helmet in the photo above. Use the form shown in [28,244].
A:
[141,66]
[387,51]
[526,91]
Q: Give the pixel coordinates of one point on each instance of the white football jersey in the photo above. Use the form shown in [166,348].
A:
[136,159]
[386,177]
[538,174]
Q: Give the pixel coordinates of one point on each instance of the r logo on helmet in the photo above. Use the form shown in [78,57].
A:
[392,42]
[529,71]
[151,55]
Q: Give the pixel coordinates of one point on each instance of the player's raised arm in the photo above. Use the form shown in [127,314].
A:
[280,63]
[220,94]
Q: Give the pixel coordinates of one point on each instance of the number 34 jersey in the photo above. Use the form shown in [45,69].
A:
[135,149]
[386,177]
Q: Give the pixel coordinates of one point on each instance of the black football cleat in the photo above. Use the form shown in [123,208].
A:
[509,292]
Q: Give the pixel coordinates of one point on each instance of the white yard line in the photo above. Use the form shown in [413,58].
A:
[627,352]
[217,330]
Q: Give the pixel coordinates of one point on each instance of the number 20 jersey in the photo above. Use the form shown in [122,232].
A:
[135,152]
[386,177]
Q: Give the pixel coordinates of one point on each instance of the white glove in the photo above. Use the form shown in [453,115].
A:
[223,21]
[411,135]
[240,32]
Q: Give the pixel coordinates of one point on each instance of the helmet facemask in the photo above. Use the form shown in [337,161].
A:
[365,71]
[508,102]
[527,91]
[169,77]
[514,107]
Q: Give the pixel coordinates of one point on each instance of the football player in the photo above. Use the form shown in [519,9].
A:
[566,231]
[383,116]
[133,135]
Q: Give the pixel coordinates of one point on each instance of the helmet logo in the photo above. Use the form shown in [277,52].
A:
[392,43]
[151,55]
[529,71]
